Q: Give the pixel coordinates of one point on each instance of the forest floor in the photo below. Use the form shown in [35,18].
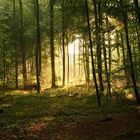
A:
[68,114]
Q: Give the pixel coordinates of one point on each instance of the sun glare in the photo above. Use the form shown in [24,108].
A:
[74,47]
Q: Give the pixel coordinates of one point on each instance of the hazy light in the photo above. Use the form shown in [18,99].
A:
[129,96]
[74,47]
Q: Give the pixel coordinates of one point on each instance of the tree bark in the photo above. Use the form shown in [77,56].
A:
[98,41]
[136,3]
[52,42]
[117,46]
[22,44]
[74,60]
[91,53]
[129,53]
[68,65]
[4,66]
[63,42]
[106,68]
[124,61]
[86,62]
[15,44]
[38,46]
[109,53]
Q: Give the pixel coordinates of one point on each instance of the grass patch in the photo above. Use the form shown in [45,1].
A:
[66,113]
[21,108]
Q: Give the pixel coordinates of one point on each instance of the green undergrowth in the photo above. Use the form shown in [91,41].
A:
[58,105]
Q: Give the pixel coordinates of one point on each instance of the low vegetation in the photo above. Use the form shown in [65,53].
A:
[67,114]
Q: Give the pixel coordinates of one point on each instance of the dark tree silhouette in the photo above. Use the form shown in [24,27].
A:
[91,53]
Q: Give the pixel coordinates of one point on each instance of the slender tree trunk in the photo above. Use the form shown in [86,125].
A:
[52,42]
[138,40]
[22,43]
[38,46]
[79,62]
[117,46]
[91,53]
[109,54]
[124,62]
[136,3]
[67,45]
[4,66]
[106,68]
[98,41]
[134,54]
[86,63]
[63,42]
[104,54]
[130,53]
[74,61]
[138,36]
[15,44]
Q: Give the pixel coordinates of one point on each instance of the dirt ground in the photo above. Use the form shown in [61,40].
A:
[123,127]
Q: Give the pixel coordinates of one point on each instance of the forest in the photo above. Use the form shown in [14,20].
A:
[70,69]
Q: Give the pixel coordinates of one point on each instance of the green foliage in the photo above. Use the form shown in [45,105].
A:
[74,25]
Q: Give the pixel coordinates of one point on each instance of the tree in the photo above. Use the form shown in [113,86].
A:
[38,46]
[124,61]
[109,56]
[136,3]
[22,44]
[15,44]
[133,77]
[52,42]
[63,41]
[4,65]
[91,53]
[67,50]
[86,61]
[98,42]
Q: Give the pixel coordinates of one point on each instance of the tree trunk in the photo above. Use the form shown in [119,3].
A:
[52,42]
[15,44]
[79,62]
[91,53]
[98,41]
[136,3]
[130,53]
[124,62]
[109,53]
[68,65]
[106,68]
[22,43]
[38,46]
[4,66]
[74,61]
[86,62]
[63,42]
[117,46]
[134,52]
